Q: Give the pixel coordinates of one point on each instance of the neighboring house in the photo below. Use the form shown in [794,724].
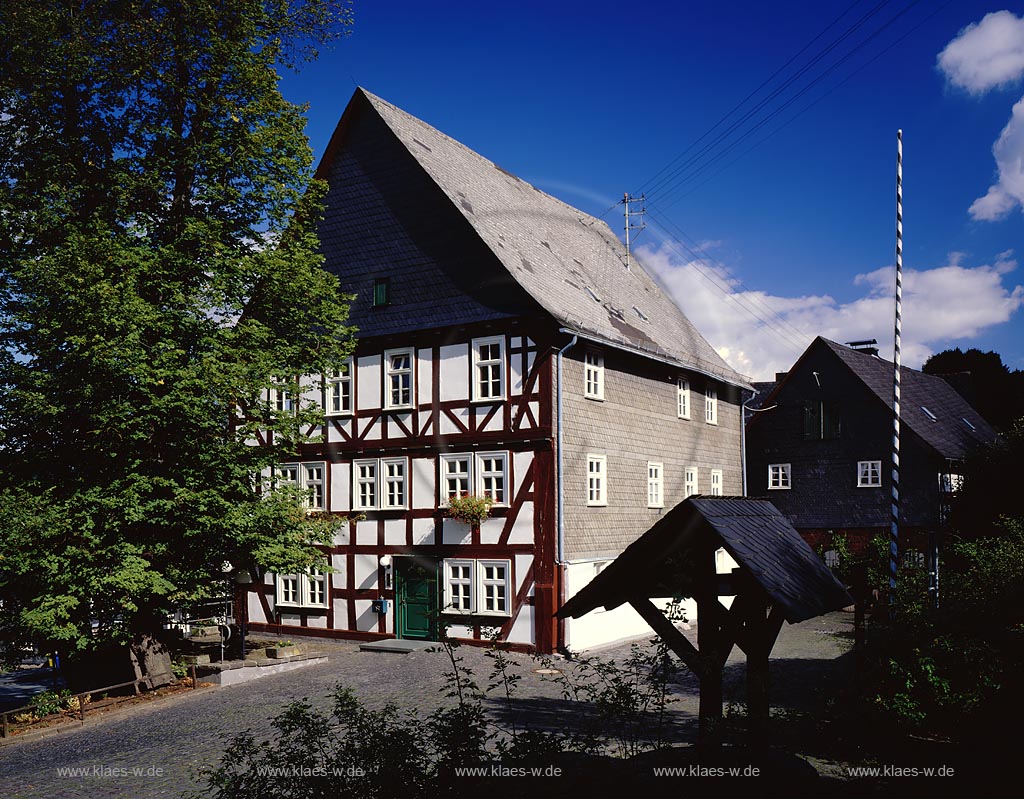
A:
[483,307]
[821,448]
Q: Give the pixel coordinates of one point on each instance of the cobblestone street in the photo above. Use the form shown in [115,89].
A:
[167,742]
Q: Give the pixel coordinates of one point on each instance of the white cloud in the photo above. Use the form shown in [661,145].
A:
[1008,193]
[941,307]
[986,54]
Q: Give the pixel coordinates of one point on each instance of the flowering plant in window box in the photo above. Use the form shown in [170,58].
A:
[469,509]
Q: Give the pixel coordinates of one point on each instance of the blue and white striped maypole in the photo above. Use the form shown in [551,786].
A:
[894,536]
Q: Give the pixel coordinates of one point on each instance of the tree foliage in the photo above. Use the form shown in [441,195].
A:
[984,381]
[159,275]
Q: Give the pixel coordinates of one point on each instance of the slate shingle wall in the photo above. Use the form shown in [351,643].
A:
[636,423]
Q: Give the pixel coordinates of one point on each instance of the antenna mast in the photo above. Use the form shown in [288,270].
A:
[628,198]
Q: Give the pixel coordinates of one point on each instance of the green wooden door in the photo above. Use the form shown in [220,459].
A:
[415,598]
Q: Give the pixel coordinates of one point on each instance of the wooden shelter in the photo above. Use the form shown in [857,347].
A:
[779,578]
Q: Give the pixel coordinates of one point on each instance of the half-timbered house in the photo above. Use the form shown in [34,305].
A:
[508,349]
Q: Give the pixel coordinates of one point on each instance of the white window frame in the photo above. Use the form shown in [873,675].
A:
[473,585]
[711,406]
[300,477]
[655,484]
[315,486]
[394,483]
[381,483]
[483,375]
[683,398]
[339,385]
[597,481]
[485,477]
[716,482]
[467,598]
[371,481]
[869,474]
[390,374]
[780,476]
[284,397]
[299,590]
[445,492]
[593,375]
[691,481]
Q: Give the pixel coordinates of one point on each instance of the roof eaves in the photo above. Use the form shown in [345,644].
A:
[662,357]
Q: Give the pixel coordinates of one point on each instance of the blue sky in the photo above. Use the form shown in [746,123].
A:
[588,100]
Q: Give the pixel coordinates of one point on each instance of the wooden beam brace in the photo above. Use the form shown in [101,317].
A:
[667,631]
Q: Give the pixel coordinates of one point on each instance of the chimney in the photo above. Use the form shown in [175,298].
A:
[868,346]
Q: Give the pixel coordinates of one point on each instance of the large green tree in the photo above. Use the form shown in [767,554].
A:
[159,274]
[984,381]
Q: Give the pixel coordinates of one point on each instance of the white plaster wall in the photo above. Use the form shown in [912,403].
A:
[523,627]
[425,377]
[366,571]
[341,487]
[490,530]
[366,533]
[293,619]
[319,621]
[366,619]
[454,372]
[423,494]
[423,531]
[394,532]
[255,608]
[601,627]
[368,382]
[394,431]
[457,532]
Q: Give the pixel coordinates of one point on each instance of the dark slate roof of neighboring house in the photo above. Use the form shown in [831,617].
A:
[929,405]
[753,531]
[569,262]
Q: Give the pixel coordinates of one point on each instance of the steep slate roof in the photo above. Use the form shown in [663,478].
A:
[957,428]
[570,263]
[753,531]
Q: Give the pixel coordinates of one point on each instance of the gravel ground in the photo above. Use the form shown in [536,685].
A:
[155,750]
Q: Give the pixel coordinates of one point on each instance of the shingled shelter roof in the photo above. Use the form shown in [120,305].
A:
[661,562]
[570,263]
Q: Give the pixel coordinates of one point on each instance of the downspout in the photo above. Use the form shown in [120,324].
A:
[560,561]
[558,440]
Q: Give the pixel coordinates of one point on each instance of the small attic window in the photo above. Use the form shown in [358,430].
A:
[929,414]
[641,314]
[381,292]
[593,296]
[968,423]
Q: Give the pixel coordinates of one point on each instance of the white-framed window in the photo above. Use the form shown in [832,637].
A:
[716,482]
[655,485]
[492,476]
[683,398]
[313,482]
[711,406]
[779,476]
[689,481]
[481,587]
[484,474]
[398,378]
[380,484]
[338,390]
[593,375]
[304,590]
[364,489]
[456,476]
[869,474]
[393,493]
[597,480]
[458,586]
[489,368]
[308,476]
[282,398]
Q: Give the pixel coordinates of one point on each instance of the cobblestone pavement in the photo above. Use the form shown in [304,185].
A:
[166,742]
